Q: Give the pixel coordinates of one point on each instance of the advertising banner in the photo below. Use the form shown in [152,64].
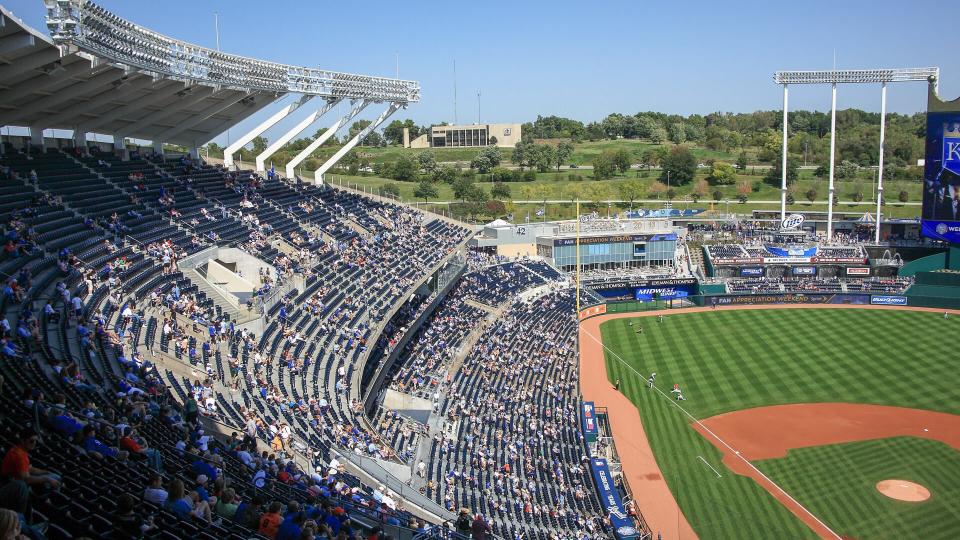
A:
[660,293]
[751,271]
[623,526]
[854,271]
[791,298]
[804,270]
[590,429]
[886,300]
[941,177]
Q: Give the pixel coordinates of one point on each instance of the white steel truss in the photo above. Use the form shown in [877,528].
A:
[85,26]
[318,174]
[236,145]
[293,132]
[358,106]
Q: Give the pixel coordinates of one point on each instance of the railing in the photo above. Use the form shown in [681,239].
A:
[391,482]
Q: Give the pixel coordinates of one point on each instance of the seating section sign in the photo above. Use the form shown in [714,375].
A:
[590,430]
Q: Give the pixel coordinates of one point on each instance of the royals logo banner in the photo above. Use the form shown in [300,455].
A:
[941,178]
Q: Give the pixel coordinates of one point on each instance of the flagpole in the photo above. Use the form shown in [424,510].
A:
[578,257]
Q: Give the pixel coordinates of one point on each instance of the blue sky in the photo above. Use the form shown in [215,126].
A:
[577,59]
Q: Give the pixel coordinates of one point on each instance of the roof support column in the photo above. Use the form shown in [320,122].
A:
[235,147]
[36,138]
[158,148]
[120,147]
[79,138]
[293,132]
[318,174]
[357,107]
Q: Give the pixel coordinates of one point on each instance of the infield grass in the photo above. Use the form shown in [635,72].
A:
[853,503]
[731,360]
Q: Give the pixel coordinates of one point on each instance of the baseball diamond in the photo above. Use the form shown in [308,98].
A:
[731,362]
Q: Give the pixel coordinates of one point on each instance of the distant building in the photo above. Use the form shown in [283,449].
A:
[466,136]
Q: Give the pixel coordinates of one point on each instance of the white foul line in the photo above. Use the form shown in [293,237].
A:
[714,435]
[711,466]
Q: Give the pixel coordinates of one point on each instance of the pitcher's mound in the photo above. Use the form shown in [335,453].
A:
[903,490]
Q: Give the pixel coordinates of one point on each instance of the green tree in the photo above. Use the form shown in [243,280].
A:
[847,169]
[603,165]
[678,135]
[462,187]
[811,194]
[444,173]
[427,161]
[774,175]
[622,160]
[519,156]
[544,157]
[671,194]
[499,190]
[722,174]
[631,190]
[742,161]
[487,159]
[717,195]
[259,144]
[903,196]
[562,154]
[680,165]
[658,135]
[500,174]
[405,169]
[426,190]
[393,133]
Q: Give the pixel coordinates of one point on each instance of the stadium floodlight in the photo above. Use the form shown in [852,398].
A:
[85,26]
[856,76]
[833,78]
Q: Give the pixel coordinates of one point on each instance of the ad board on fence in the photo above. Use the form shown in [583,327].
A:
[941,175]
[622,523]
[791,298]
[888,300]
[751,271]
[858,271]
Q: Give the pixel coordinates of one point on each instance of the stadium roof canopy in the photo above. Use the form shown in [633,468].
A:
[99,73]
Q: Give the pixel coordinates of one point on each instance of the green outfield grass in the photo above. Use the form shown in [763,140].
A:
[853,504]
[731,360]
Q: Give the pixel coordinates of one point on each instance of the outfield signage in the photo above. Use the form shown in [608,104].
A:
[751,271]
[804,270]
[663,293]
[615,239]
[590,428]
[634,283]
[887,300]
[791,298]
[858,271]
[790,260]
[623,525]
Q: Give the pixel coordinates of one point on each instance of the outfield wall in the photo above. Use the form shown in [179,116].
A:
[726,300]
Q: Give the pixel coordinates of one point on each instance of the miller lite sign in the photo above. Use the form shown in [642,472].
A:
[792,222]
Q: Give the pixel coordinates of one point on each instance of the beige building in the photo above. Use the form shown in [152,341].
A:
[471,135]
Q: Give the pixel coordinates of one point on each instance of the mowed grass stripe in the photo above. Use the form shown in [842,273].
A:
[730,360]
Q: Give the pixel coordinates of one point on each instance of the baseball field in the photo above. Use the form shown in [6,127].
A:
[792,417]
